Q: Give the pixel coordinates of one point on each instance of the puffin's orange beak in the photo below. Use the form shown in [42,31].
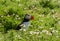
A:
[32,17]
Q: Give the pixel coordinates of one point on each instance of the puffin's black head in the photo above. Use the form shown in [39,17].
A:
[28,17]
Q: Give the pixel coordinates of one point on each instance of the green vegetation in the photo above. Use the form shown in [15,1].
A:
[45,26]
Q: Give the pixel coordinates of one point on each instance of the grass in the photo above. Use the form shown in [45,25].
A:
[45,26]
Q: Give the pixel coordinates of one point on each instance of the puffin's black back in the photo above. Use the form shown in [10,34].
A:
[18,27]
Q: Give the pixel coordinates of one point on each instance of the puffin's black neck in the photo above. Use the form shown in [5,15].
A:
[26,20]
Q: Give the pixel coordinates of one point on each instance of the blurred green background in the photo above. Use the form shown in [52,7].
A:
[45,26]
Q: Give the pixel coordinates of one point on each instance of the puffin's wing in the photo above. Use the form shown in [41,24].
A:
[18,27]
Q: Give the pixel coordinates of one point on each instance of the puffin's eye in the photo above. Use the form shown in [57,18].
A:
[28,15]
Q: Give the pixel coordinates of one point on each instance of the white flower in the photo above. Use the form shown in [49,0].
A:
[37,33]
[31,32]
[33,6]
[47,32]
[13,14]
[8,15]
[53,11]
[0,38]
[24,29]
[34,1]
[0,32]
[2,16]
[39,15]
[54,16]
[51,28]
[40,32]
[58,1]
[18,18]
[54,31]
[48,0]
[40,36]
[17,15]
[18,36]
[18,0]
[50,34]
[41,27]
[8,31]
[58,18]
[23,25]
[20,4]
[57,36]
[20,29]
[59,22]
[42,15]
[44,31]
[25,8]
[40,20]
[34,32]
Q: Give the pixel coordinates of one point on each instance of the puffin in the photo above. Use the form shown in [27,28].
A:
[26,22]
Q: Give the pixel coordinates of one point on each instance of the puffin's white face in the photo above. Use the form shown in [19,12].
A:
[28,16]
